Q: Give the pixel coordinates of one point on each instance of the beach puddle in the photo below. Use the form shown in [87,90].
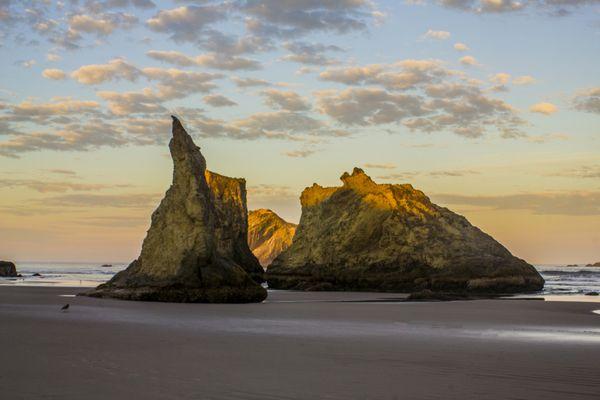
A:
[67,295]
[596,312]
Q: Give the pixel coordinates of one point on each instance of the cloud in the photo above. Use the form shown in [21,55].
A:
[230,63]
[210,60]
[398,176]
[277,124]
[45,186]
[172,84]
[175,83]
[173,57]
[54,74]
[588,100]
[501,78]
[101,25]
[437,35]
[282,125]
[422,95]
[28,63]
[98,6]
[186,23]
[52,57]
[271,191]
[560,203]
[296,18]
[62,171]
[583,172]
[285,100]
[461,108]
[457,173]
[461,47]
[524,80]
[543,108]
[469,61]
[400,75]
[249,82]
[299,153]
[452,173]
[116,69]
[132,201]
[122,104]
[310,53]
[552,7]
[380,166]
[540,139]
[59,107]
[72,137]
[217,100]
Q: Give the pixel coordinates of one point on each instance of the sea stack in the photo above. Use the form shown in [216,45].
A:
[196,249]
[382,237]
[8,269]
[268,235]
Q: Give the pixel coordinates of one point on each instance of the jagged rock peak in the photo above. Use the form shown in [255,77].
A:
[384,237]
[196,249]
[358,178]
[268,235]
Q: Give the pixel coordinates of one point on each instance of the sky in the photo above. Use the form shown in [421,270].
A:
[490,107]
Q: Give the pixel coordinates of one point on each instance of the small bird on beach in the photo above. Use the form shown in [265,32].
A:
[65,307]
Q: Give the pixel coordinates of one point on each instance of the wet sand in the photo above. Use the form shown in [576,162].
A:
[295,346]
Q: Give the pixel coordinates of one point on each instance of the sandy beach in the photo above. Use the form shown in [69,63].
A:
[296,346]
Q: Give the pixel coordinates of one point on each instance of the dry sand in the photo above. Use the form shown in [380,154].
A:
[295,346]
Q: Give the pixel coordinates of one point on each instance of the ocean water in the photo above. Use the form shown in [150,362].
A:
[560,279]
[574,280]
[63,274]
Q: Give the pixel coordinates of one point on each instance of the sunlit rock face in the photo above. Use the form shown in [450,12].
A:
[196,248]
[382,237]
[8,269]
[268,235]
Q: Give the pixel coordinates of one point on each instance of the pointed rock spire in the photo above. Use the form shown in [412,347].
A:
[196,248]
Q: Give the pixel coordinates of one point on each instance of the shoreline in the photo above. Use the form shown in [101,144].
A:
[296,345]
[48,283]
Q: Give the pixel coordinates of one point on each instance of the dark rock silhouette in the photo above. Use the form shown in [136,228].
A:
[196,248]
[596,264]
[8,269]
[368,236]
[268,235]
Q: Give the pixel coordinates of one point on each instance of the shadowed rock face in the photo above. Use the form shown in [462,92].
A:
[268,235]
[366,236]
[8,269]
[196,248]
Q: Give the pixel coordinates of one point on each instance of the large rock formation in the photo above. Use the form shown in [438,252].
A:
[196,248]
[268,235]
[8,269]
[367,236]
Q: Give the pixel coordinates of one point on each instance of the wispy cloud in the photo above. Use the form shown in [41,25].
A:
[559,203]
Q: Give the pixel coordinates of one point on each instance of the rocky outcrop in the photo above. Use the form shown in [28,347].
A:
[196,248]
[268,235]
[8,269]
[597,264]
[381,237]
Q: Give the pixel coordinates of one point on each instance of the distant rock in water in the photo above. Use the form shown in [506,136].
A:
[381,237]
[8,269]
[268,235]
[597,264]
[196,248]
